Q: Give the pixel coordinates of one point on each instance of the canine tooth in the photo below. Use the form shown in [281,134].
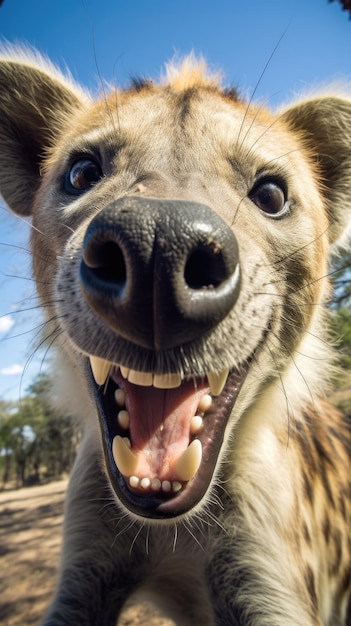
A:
[124,457]
[134,481]
[145,483]
[166,486]
[144,379]
[217,381]
[100,369]
[127,442]
[189,462]
[176,486]
[123,419]
[156,484]
[124,371]
[205,403]
[120,397]
[196,425]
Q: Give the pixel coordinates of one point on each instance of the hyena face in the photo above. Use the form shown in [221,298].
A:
[181,239]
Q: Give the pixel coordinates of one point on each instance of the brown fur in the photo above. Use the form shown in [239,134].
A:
[268,543]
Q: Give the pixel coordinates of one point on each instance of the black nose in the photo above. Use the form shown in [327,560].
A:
[160,272]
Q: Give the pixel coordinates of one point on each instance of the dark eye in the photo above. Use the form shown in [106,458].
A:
[270,198]
[83,174]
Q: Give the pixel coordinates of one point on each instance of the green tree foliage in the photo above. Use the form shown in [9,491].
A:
[342,326]
[341,305]
[341,275]
[35,442]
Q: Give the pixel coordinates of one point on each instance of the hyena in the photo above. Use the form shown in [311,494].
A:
[181,239]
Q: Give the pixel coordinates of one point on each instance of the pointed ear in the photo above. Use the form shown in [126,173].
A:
[324,124]
[36,103]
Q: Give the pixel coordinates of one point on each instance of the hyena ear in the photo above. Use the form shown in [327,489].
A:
[36,103]
[324,123]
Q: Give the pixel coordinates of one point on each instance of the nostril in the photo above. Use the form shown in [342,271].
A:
[106,261]
[205,269]
[160,273]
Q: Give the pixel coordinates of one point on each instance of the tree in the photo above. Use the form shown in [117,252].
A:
[35,442]
[6,438]
[346,5]
[56,436]
[340,305]
[341,276]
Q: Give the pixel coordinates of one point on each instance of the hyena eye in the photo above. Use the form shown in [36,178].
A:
[270,198]
[83,174]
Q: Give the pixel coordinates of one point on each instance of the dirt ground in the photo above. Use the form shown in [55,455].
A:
[30,539]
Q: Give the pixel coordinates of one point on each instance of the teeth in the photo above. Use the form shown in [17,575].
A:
[124,371]
[147,379]
[100,369]
[189,462]
[217,381]
[145,483]
[176,486]
[120,397]
[134,481]
[156,484]
[167,381]
[196,425]
[144,379]
[125,459]
[205,403]
[123,419]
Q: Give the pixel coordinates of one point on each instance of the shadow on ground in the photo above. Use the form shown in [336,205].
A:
[30,540]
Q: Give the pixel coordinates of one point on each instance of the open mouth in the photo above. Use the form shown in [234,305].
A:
[162,435]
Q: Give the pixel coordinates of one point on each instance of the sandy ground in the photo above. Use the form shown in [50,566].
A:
[30,539]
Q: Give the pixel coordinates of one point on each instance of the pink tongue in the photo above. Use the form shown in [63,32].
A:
[160,423]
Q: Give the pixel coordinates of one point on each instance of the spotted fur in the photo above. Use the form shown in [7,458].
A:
[269,543]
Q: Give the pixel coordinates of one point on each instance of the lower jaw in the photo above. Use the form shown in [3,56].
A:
[167,505]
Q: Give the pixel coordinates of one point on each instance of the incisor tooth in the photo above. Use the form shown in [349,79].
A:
[100,369]
[167,381]
[124,371]
[189,462]
[217,381]
[145,483]
[176,486]
[134,481]
[124,457]
[156,484]
[144,379]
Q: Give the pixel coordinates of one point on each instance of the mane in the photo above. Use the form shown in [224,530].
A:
[190,71]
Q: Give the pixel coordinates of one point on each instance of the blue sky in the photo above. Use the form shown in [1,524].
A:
[116,39]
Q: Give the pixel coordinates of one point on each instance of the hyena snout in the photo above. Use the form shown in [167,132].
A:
[160,272]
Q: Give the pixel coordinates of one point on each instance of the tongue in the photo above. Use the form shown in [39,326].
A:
[160,424]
